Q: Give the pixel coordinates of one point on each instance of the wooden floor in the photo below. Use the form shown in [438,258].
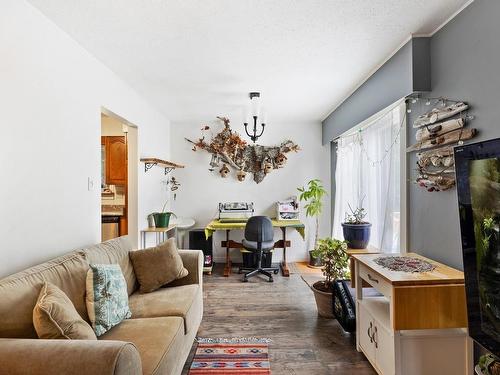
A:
[285,311]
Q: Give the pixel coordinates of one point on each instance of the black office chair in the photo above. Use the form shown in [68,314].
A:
[259,239]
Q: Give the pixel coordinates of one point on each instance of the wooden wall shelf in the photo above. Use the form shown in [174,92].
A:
[168,165]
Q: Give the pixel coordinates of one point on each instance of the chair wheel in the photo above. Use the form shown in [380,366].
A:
[271,279]
[245,280]
[275,272]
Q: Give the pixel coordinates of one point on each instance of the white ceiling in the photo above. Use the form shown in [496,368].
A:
[196,59]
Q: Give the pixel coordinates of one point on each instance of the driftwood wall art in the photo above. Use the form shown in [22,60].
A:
[438,131]
[230,151]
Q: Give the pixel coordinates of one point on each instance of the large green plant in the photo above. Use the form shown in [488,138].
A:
[335,259]
[313,195]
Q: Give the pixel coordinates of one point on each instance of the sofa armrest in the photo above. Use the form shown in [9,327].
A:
[193,262]
[54,357]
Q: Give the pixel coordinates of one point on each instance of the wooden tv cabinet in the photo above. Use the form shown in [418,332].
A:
[418,326]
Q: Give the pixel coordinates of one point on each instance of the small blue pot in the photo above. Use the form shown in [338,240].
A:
[357,235]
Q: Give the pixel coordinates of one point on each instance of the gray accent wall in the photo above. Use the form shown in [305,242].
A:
[407,71]
[463,59]
[465,64]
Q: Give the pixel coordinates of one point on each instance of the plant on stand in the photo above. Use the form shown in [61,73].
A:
[313,195]
[356,230]
[335,267]
[162,219]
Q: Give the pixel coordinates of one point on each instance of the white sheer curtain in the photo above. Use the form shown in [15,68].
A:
[368,172]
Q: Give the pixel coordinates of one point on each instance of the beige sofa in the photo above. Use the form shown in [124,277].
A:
[156,340]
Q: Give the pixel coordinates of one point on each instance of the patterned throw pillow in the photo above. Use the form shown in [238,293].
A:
[107,297]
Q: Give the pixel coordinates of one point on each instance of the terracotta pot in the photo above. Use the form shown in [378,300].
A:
[323,302]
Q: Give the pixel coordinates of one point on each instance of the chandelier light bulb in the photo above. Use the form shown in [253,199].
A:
[252,124]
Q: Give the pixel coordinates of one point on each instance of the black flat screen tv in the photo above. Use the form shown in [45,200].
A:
[477,169]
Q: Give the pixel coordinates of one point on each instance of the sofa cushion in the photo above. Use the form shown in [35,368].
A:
[107,298]
[158,340]
[19,292]
[55,317]
[114,251]
[183,301]
[157,266]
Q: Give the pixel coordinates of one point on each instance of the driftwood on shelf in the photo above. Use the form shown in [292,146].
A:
[437,157]
[451,137]
[440,128]
[441,152]
[438,114]
[436,183]
[435,169]
[236,153]
[435,172]
[438,131]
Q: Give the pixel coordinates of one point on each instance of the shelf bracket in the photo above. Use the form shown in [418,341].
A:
[168,170]
[148,166]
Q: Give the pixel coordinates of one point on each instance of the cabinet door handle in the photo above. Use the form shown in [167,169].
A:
[372,278]
[370,335]
[375,337]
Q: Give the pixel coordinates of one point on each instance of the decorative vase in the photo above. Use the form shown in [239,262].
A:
[314,262]
[162,219]
[323,301]
[357,235]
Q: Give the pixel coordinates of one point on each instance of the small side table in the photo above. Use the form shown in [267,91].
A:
[162,234]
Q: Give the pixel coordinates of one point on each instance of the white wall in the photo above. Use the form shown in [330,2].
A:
[51,94]
[201,190]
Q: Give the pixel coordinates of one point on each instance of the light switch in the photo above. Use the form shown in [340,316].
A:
[90,184]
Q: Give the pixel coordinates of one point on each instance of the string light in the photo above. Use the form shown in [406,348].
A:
[387,151]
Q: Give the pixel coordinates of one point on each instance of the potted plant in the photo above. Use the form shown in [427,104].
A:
[356,230]
[335,267]
[162,219]
[313,195]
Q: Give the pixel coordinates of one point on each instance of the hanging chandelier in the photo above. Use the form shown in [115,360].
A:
[256,110]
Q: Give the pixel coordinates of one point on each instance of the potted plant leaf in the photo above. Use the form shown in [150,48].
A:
[335,267]
[162,219]
[356,230]
[313,195]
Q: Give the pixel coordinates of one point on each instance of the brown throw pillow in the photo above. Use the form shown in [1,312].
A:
[157,266]
[55,317]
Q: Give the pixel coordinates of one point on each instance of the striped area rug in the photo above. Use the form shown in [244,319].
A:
[241,356]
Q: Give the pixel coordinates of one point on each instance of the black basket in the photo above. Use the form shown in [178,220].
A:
[343,306]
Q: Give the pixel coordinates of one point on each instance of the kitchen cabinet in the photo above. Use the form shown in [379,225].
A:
[115,154]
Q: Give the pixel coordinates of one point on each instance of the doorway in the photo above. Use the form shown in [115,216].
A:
[119,178]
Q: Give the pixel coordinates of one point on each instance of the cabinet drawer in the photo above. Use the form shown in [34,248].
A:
[374,279]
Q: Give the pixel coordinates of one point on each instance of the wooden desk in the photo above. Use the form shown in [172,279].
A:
[162,234]
[216,225]
[419,315]
[350,252]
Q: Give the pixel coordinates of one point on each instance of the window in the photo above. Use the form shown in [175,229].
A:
[370,172]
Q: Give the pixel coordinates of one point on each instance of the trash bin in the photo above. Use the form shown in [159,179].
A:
[250,259]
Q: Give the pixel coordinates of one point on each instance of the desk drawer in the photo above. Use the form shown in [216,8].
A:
[374,279]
